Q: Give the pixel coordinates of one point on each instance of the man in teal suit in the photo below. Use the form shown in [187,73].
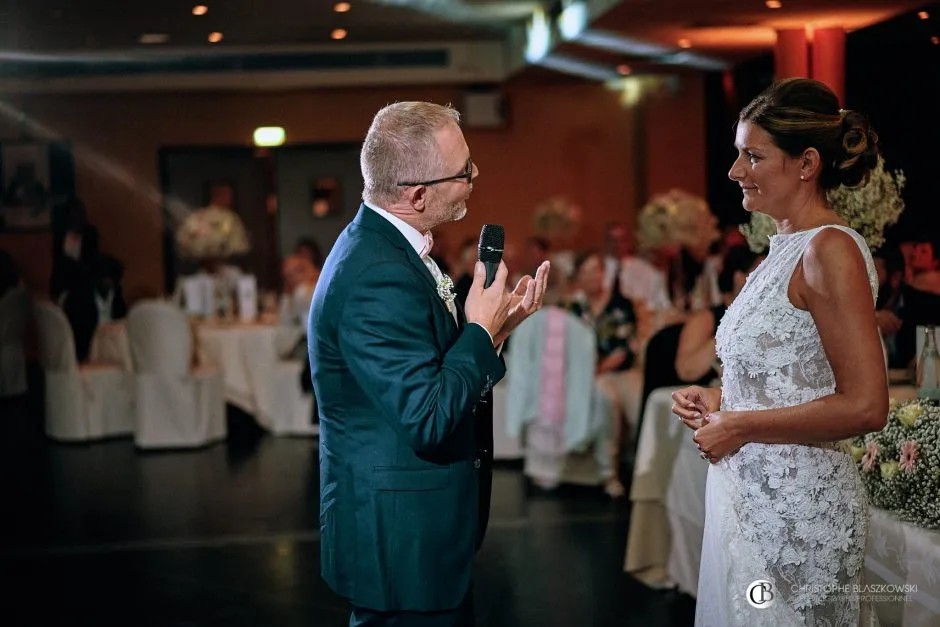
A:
[403,379]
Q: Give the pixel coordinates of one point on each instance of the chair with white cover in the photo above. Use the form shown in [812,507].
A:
[14,312]
[83,401]
[553,402]
[281,403]
[177,407]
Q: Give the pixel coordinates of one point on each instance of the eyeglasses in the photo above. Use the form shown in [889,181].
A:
[467,175]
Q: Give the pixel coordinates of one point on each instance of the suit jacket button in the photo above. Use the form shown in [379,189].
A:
[476,463]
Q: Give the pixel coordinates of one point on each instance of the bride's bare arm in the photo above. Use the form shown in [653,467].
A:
[832,284]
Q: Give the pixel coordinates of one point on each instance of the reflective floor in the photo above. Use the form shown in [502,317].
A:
[106,535]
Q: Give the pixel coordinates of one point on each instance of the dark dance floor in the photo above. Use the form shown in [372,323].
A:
[102,534]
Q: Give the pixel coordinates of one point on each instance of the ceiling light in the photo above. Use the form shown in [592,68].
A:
[623,69]
[773,4]
[573,20]
[538,37]
[935,40]
[923,15]
[154,38]
[342,7]
[215,37]
[684,43]
[269,136]
[200,9]
[339,33]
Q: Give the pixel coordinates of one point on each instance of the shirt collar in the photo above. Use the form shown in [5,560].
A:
[414,237]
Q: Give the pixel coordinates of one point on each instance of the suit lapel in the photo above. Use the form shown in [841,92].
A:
[373,221]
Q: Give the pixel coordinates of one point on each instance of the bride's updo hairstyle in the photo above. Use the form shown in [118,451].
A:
[800,113]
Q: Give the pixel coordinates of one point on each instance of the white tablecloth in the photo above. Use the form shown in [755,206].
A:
[227,345]
[901,554]
[658,443]
[668,493]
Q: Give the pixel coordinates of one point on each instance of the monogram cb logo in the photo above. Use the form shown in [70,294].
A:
[760,594]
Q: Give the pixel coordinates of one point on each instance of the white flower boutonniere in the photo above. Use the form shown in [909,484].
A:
[445,289]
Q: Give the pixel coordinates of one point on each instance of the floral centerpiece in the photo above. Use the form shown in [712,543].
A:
[556,217]
[212,233]
[900,465]
[867,209]
[675,218]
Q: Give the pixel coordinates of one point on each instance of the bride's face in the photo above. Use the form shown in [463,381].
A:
[768,177]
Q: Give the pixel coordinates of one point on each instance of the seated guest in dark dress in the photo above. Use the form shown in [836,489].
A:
[919,300]
[683,354]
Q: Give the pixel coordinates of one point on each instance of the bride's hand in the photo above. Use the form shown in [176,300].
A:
[693,403]
[719,436]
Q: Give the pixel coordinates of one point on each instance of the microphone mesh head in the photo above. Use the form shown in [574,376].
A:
[492,238]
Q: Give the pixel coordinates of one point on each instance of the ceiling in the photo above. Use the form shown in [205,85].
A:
[35,32]
[734,29]
[54,25]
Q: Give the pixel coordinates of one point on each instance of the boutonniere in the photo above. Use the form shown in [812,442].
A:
[445,289]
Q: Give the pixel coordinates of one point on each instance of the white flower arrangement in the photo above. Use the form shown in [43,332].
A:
[867,209]
[675,218]
[900,465]
[872,207]
[556,217]
[212,233]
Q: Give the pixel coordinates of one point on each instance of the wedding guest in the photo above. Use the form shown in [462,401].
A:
[74,247]
[467,261]
[889,263]
[310,250]
[920,301]
[684,352]
[95,299]
[611,315]
[634,276]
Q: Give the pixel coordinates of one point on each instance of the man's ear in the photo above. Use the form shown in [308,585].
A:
[418,196]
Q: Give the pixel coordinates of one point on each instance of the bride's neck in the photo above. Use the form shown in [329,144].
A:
[806,216]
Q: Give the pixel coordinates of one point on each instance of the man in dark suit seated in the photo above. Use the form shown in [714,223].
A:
[403,378]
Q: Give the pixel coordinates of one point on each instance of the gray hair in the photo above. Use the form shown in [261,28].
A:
[401,146]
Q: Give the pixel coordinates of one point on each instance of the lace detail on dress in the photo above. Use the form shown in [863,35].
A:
[792,514]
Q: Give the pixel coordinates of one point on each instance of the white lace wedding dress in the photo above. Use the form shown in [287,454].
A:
[795,516]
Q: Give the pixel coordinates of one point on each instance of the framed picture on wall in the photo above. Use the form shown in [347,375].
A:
[36,177]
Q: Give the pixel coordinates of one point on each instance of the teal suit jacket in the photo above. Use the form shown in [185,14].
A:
[399,386]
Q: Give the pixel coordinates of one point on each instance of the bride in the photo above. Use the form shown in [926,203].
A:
[787,516]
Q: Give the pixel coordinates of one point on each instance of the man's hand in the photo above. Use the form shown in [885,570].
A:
[488,307]
[526,299]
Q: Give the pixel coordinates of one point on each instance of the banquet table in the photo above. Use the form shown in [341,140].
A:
[241,350]
[664,542]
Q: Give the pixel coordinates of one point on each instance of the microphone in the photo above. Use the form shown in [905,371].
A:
[490,251]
